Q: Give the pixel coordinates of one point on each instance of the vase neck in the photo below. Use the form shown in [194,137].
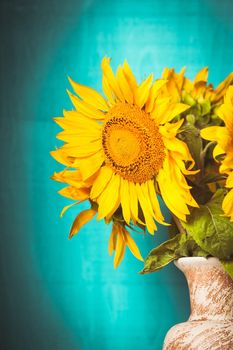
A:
[211,296]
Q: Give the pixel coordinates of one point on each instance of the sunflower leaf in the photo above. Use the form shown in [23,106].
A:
[210,229]
[189,248]
[161,256]
[181,245]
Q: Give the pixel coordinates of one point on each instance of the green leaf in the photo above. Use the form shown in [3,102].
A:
[211,230]
[218,197]
[179,246]
[189,248]
[161,255]
[228,267]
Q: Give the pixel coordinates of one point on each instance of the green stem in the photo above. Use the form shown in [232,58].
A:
[203,153]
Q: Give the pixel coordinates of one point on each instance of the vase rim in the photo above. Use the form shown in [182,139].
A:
[197,260]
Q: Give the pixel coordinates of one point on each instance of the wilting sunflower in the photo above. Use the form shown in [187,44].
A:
[223,135]
[121,152]
[183,89]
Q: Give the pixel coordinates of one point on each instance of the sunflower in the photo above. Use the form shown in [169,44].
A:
[183,89]
[223,135]
[121,152]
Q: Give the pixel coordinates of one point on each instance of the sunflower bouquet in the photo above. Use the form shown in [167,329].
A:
[166,140]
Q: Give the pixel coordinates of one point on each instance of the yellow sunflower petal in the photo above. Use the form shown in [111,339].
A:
[61,157]
[175,83]
[112,81]
[146,193]
[167,72]
[227,204]
[222,87]
[229,182]
[57,176]
[227,164]
[91,96]
[133,202]
[83,141]
[170,130]
[109,197]
[130,76]
[177,146]
[75,193]
[72,135]
[124,86]
[159,111]
[82,149]
[120,249]
[171,195]
[66,175]
[219,134]
[85,108]
[68,207]
[178,159]
[108,217]
[90,165]
[132,246]
[125,200]
[225,112]
[77,122]
[175,110]
[165,112]
[228,99]
[107,90]
[80,121]
[142,92]
[112,239]
[217,151]
[81,219]
[102,180]
[180,77]
[202,75]
[155,203]
[71,177]
[64,123]
[157,85]
[210,133]
[151,226]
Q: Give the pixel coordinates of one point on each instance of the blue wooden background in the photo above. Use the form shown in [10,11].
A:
[60,294]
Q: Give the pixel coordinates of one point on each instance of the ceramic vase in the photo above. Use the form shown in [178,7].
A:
[210,325]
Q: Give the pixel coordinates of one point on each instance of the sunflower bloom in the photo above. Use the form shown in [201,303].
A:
[223,135]
[121,151]
[183,89]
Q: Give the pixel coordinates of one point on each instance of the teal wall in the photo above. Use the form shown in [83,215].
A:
[65,295]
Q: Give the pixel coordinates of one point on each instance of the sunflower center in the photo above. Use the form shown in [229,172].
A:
[132,143]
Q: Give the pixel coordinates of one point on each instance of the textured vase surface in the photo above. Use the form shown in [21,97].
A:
[210,325]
